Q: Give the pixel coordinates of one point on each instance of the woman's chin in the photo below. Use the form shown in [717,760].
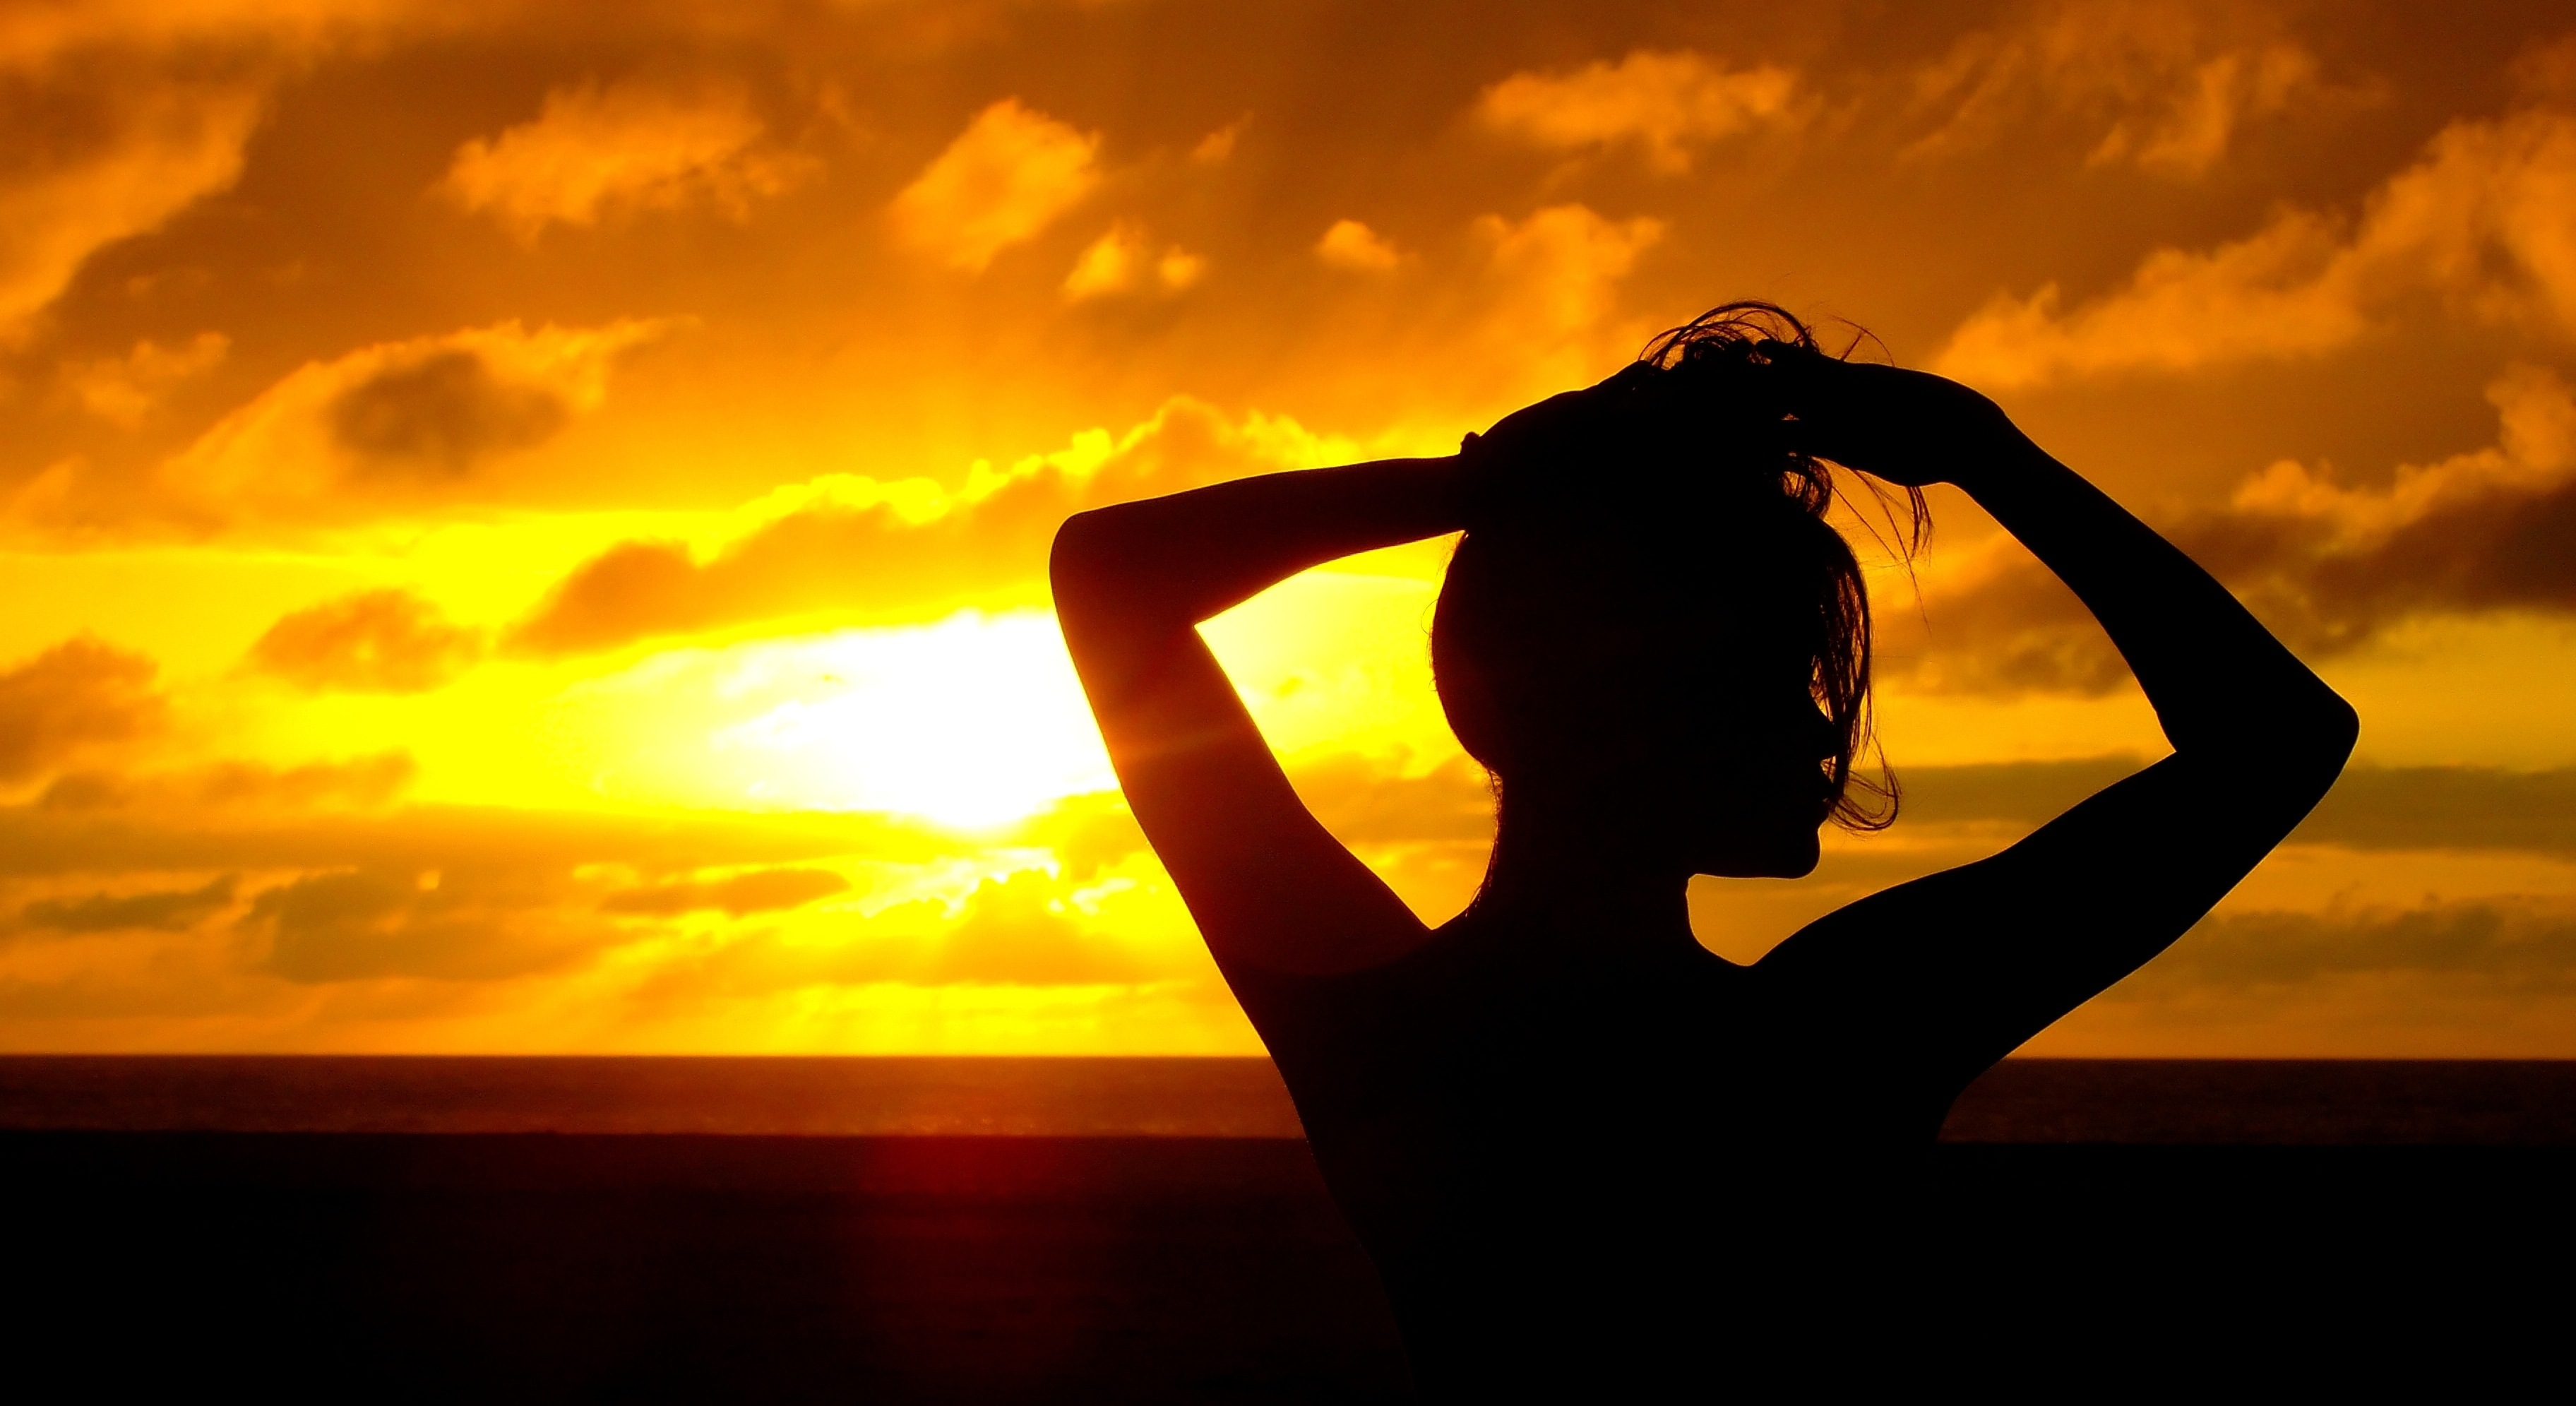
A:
[1790,856]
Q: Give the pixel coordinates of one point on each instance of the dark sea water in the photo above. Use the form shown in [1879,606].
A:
[1137,1231]
[2232,1102]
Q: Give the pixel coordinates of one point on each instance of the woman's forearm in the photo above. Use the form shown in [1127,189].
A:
[1182,558]
[2217,678]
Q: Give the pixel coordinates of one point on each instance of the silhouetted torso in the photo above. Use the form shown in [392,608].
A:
[1558,1153]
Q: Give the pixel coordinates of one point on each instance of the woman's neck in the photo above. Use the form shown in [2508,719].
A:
[1563,871]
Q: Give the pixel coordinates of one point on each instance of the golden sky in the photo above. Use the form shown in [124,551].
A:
[522,526]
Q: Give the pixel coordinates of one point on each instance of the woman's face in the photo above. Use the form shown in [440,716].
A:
[1704,746]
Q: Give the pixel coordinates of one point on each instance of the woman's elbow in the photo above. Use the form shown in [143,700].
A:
[2326,732]
[1079,565]
[2339,729]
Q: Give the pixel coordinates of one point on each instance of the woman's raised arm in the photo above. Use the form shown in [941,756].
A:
[1267,885]
[1997,950]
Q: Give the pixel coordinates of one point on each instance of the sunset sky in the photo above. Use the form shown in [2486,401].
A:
[523,526]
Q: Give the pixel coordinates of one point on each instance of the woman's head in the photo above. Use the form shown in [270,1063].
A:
[1650,627]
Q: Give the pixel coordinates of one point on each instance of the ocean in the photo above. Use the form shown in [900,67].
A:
[2098,1101]
[1003,1230]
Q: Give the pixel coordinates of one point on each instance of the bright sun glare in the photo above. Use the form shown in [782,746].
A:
[972,722]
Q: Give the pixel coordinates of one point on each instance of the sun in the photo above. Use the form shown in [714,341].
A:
[971,723]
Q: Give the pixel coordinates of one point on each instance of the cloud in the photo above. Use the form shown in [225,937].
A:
[2520,945]
[1665,103]
[2327,567]
[1354,246]
[760,891]
[122,389]
[441,415]
[2026,794]
[1217,147]
[100,156]
[1017,930]
[1123,260]
[2167,86]
[192,834]
[76,697]
[169,910]
[848,545]
[1009,175]
[36,36]
[1363,800]
[1552,287]
[2481,217]
[474,925]
[362,783]
[633,145]
[415,422]
[387,641]
[2371,807]
[2447,807]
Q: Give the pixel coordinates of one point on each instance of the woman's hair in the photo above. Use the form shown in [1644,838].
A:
[1675,497]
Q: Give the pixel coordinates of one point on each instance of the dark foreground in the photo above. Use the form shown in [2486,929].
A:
[2084,1230]
[548,1268]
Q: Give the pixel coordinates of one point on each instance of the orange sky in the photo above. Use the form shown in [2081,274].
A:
[522,526]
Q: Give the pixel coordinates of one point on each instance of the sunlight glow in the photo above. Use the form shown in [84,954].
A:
[972,722]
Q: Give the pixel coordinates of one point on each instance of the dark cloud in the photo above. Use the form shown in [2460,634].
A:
[762,891]
[360,782]
[2448,807]
[2370,807]
[2517,945]
[447,894]
[2021,630]
[469,925]
[871,561]
[37,842]
[439,416]
[2327,567]
[1012,931]
[2019,793]
[171,910]
[388,641]
[74,697]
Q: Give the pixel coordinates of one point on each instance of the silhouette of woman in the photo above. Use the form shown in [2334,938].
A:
[1577,1143]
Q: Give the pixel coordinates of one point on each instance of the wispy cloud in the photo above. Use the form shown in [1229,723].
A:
[594,151]
[145,153]
[398,426]
[123,389]
[1124,260]
[75,699]
[2481,217]
[1354,246]
[384,641]
[2166,85]
[1011,173]
[1664,104]
[862,548]
[2325,565]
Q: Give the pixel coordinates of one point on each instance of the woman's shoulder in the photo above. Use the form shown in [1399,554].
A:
[1371,1004]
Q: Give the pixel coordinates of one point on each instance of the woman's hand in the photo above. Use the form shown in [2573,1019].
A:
[1908,427]
[1538,461]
